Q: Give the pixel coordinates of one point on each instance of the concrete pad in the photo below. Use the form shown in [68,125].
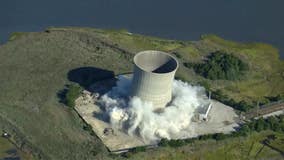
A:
[116,141]
[221,119]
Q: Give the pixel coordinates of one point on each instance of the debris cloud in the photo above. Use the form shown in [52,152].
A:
[136,117]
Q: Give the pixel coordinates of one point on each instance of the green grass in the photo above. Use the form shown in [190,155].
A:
[278,143]
[5,145]
[241,148]
[264,78]
[31,75]
[34,67]
[137,42]
[16,35]
[190,53]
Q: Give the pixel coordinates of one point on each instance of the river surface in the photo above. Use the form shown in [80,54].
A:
[240,20]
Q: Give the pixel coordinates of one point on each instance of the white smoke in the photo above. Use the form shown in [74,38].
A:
[135,116]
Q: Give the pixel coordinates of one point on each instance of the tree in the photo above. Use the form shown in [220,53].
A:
[243,106]
[244,130]
[260,125]
[273,123]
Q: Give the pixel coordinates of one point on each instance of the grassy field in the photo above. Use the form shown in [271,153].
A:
[241,148]
[265,77]
[35,67]
[8,150]
[266,74]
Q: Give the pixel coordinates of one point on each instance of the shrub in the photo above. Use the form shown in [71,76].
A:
[219,136]
[205,137]
[87,127]
[72,94]
[188,64]
[241,106]
[163,142]
[176,143]
[271,123]
[138,149]
[205,84]
[220,66]
[177,54]
[244,130]
[275,123]
[279,97]
[259,125]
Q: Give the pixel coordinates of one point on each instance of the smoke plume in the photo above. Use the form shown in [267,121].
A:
[136,117]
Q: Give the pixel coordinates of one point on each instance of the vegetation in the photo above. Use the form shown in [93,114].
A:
[279,97]
[239,147]
[263,79]
[138,149]
[274,123]
[32,73]
[16,35]
[87,127]
[72,94]
[220,65]
[243,105]
[9,151]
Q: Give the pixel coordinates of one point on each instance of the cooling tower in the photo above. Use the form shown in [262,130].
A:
[153,76]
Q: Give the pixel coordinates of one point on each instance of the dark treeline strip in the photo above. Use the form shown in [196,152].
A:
[243,105]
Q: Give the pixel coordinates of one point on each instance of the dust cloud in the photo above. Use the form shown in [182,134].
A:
[136,117]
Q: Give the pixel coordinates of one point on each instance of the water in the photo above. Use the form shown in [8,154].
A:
[242,20]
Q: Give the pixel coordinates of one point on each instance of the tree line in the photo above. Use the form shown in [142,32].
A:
[243,105]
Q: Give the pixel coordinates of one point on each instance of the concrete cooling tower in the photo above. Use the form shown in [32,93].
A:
[153,76]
